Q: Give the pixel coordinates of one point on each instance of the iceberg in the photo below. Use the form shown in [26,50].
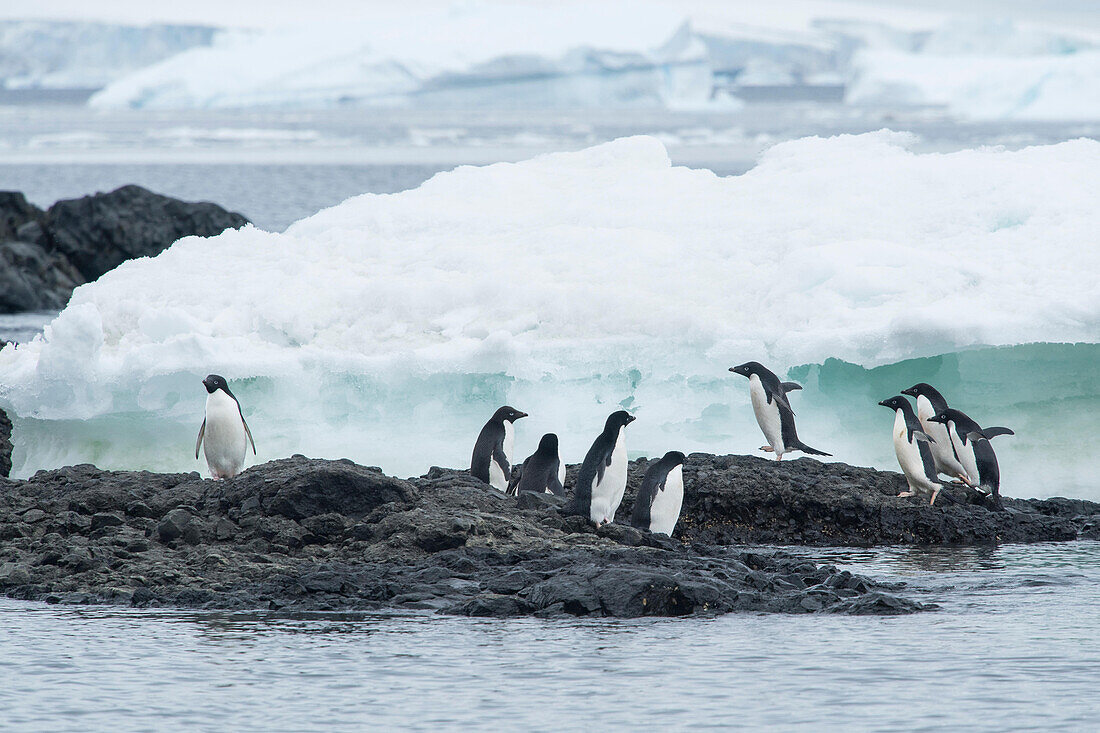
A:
[44,54]
[386,328]
[617,54]
[562,55]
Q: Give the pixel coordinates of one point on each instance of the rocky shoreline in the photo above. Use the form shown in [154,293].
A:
[306,534]
[46,254]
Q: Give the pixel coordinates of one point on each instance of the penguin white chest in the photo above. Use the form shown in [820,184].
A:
[767,415]
[607,493]
[498,477]
[665,511]
[224,440]
[908,454]
[942,451]
[561,473]
[965,452]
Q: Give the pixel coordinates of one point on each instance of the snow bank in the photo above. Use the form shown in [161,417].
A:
[386,326]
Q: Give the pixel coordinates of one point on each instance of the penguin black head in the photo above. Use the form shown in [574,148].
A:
[930,393]
[748,368]
[214,382]
[674,458]
[509,414]
[944,416]
[617,420]
[548,446]
[896,403]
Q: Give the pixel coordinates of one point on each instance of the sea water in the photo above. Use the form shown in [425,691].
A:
[1013,646]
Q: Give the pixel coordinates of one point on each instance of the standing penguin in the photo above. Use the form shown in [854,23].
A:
[602,478]
[911,447]
[543,471]
[929,404]
[975,452]
[773,411]
[492,458]
[224,435]
[661,496]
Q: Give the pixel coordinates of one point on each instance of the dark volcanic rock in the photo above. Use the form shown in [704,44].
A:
[328,535]
[98,233]
[44,255]
[5,441]
[32,278]
[750,500]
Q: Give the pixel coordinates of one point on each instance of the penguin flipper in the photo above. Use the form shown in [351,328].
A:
[248,433]
[554,484]
[198,443]
[920,435]
[513,483]
[790,386]
[988,433]
[501,459]
[780,398]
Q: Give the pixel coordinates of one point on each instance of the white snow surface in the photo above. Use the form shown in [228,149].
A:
[566,285]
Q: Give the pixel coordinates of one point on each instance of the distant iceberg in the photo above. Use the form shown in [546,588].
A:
[614,54]
[38,54]
[479,55]
[385,328]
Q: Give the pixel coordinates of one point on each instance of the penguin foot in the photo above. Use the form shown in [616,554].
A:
[966,480]
[767,449]
[935,493]
[904,494]
[779,456]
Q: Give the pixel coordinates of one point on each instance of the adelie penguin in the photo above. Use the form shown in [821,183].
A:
[975,452]
[929,404]
[657,507]
[492,458]
[602,478]
[224,435]
[773,411]
[911,444]
[542,472]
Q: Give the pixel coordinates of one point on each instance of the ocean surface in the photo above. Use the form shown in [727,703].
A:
[1013,646]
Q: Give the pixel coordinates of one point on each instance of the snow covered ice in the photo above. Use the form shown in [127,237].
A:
[387,328]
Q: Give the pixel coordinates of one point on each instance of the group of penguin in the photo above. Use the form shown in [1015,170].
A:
[932,440]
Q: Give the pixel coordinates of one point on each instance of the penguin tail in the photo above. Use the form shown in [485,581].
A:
[812,451]
[944,495]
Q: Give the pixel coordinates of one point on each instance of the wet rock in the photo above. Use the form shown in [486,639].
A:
[305,534]
[5,439]
[104,519]
[537,501]
[179,524]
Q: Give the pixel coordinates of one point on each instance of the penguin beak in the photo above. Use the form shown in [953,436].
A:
[883,403]
[630,419]
[520,414]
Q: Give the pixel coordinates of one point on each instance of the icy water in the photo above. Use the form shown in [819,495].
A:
[1013,647]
